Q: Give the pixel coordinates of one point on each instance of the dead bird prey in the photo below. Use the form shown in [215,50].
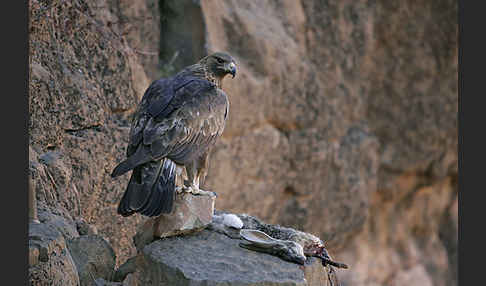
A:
[295,248]
[287,243]
[286,249]
[177,122]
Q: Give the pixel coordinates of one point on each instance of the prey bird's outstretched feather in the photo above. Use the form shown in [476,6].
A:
[177,122]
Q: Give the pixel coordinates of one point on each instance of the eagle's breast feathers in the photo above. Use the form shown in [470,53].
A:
[180,121]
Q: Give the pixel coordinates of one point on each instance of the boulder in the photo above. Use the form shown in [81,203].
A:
[217,256]
[50,262]
[190,213]
[94,258]
[85,228]
[64,225]
[212,258]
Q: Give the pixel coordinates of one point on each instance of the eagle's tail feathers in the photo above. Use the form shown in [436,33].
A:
[154,200]
[153,197]
[124,206]
[132,193]
[152,204]
[166,185]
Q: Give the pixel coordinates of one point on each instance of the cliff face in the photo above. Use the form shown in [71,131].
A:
[84,80]
[344,124]
[343,119]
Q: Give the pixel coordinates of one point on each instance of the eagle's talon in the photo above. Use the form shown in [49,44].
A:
[199,192]
[186,189]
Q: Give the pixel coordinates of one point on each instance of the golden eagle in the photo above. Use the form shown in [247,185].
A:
[177,122]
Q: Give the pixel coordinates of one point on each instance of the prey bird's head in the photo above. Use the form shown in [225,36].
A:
[219,65]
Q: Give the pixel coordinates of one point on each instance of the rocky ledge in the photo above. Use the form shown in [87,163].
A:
[213,253]
[194,245]
[212,258]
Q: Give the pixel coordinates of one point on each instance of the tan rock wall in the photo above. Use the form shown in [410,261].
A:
[84,81]
[343,123]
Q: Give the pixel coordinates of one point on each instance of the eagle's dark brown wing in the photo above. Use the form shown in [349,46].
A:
[157,102]
[177,119]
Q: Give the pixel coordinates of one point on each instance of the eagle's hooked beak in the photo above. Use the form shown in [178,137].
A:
[232,69]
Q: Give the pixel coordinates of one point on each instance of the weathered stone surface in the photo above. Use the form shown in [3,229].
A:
[417,275]
[64,225]
[305,123]
[214,256]
[191,213]
[130,280]
[357,112]
[317,275]
[33,217]
[85,228]
[84,82]
[122,273]
[415,239]
[103,282]
[33,255]
[94,258]
[211,258]
[139,23]
[49,259]
[297,139]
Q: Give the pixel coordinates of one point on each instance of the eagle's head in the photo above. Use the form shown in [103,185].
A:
[219,65]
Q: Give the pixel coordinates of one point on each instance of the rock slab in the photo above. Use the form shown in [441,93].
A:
[212,258]
[94,258]
[49,259]
[190,214]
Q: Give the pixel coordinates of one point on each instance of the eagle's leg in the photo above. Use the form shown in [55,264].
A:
[202,170]
[190,185]
[202,167]
[193,176]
